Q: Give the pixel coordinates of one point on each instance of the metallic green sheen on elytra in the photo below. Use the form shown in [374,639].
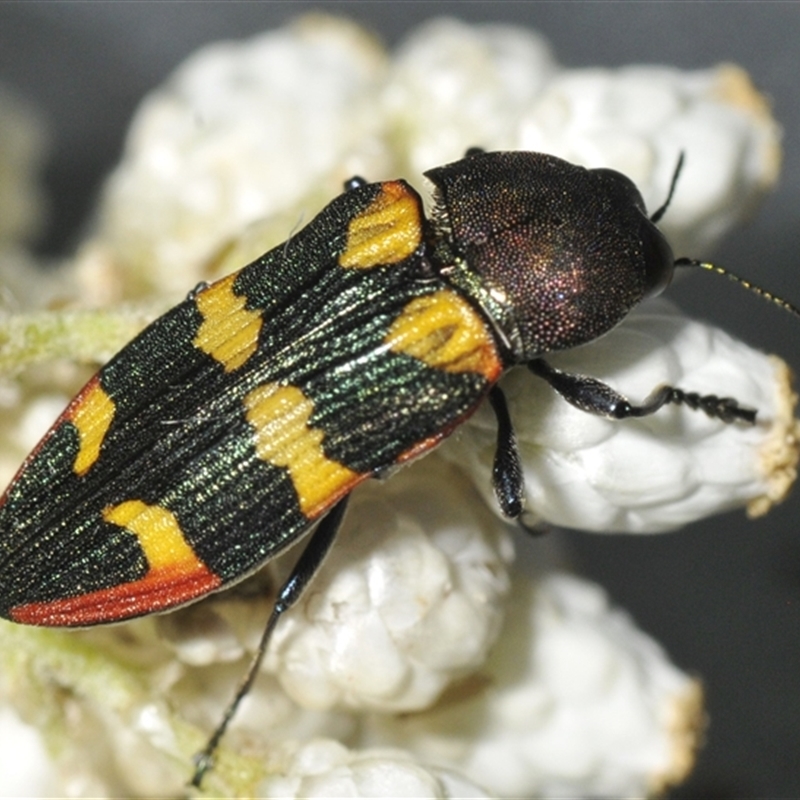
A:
[179,438]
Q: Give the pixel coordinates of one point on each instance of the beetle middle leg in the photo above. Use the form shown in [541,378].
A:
[507,477]
[596,397]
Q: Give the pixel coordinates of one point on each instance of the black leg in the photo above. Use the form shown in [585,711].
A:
[304,570]
[356,182]
[596,397]
[507,477]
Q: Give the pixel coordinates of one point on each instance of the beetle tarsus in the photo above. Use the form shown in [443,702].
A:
[726,409]
[595,397]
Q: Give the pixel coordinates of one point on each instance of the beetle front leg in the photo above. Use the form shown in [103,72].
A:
[596,397]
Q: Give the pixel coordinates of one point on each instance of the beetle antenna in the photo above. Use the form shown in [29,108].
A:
[659,212]
[691,262]
[778,301]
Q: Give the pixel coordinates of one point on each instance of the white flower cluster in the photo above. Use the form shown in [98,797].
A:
[659,472]
[416,664]
[273,126]
[410,598]
[327,769]
[574,698]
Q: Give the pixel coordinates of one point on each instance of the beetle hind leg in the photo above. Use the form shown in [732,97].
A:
[304,570]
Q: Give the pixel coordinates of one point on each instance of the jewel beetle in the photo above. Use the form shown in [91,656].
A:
[246,414]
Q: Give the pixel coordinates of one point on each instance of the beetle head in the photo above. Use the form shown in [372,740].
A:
[563,251]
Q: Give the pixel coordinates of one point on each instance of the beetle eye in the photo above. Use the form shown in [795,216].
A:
[659,261]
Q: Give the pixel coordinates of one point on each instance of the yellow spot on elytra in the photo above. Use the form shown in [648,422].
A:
[388,231]
[91,415]
[279,416]
[229,331]
[159,534]
[444,331]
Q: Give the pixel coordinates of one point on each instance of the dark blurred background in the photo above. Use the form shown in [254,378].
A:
[723,596]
